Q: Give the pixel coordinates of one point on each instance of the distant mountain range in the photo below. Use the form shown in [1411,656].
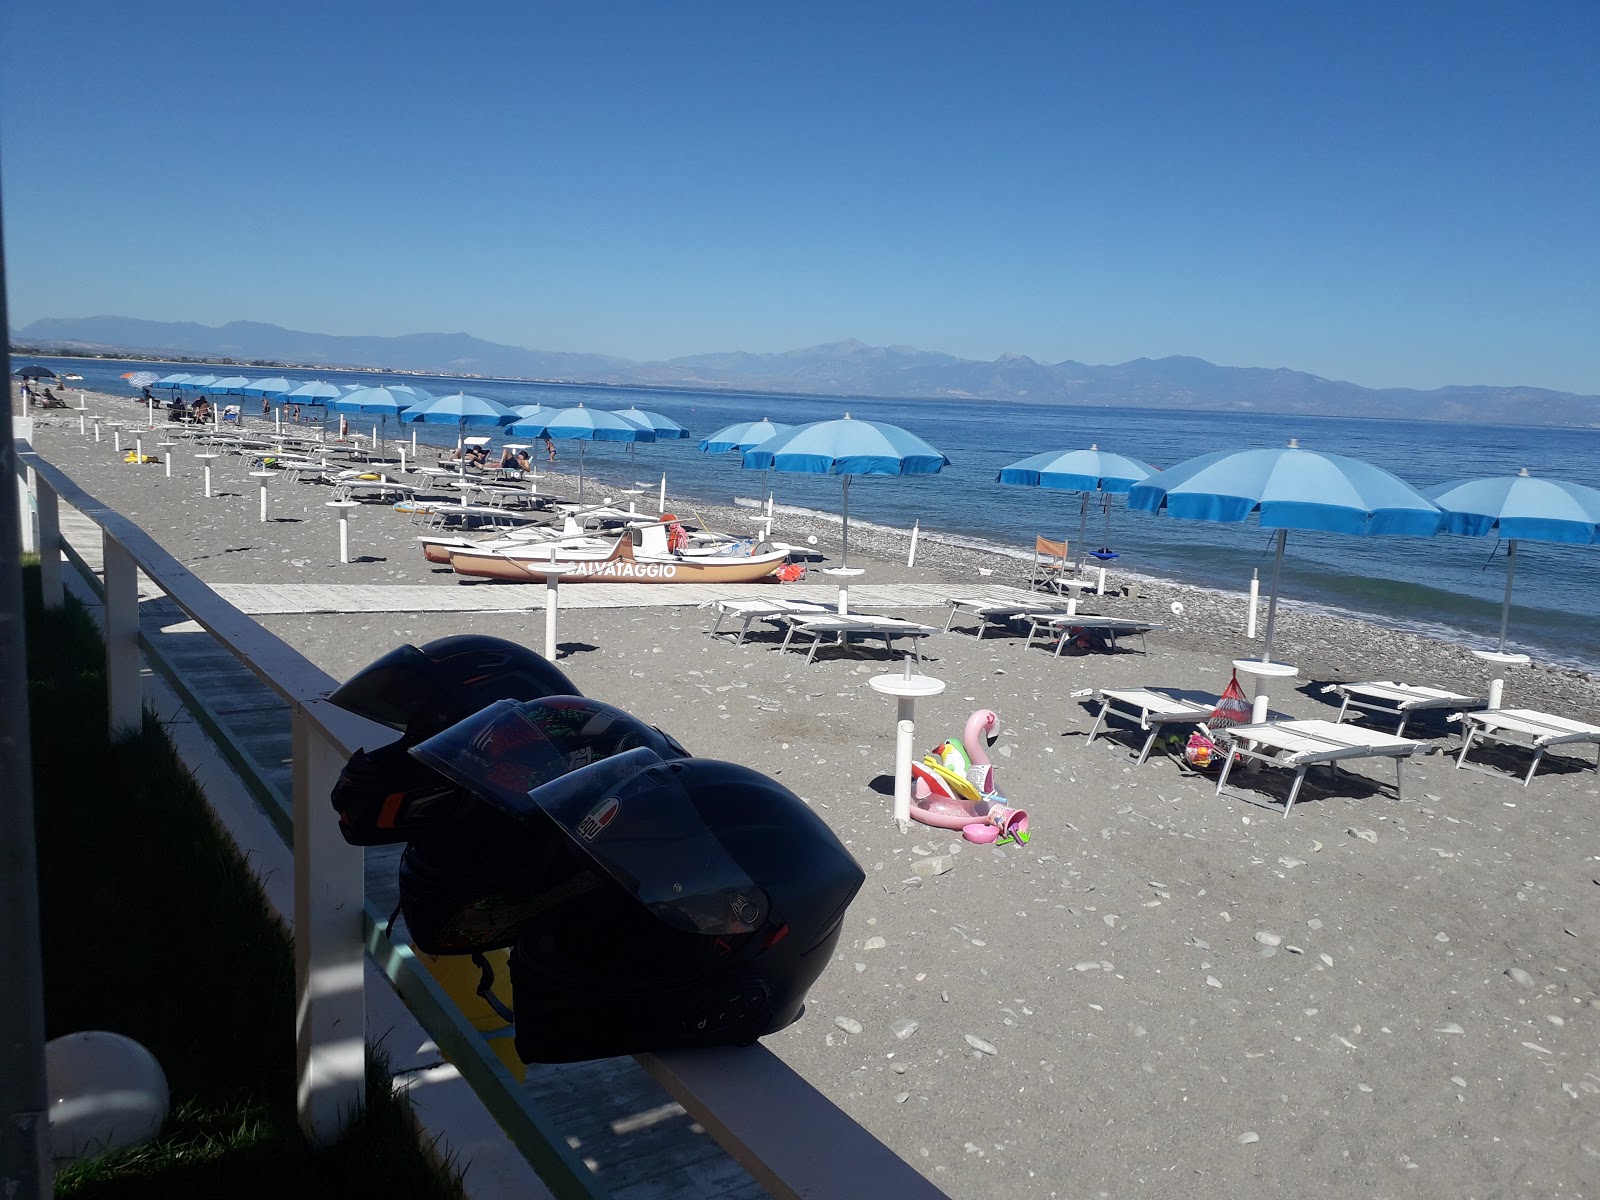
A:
[840,368]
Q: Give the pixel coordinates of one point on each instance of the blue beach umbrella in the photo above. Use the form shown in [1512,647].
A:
[380,402]
[742,435]
[1519,508]
[275,386]
[315,392]
[582,425]
[665,428]
[170,381]
[847,448]
[197,383]
[460,409]
[1291,488]
[1086,471]
[232,385]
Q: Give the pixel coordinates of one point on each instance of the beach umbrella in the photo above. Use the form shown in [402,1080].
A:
[140,379]
[380,402]
[314,392]
[34,373]
[848,448]
[665,428]
[743,435]
[1087,471]
[459,410]
[276,386]
[1291,488]
[170,381]
[197,383]
[232,385]
[582,425]
[1519,508]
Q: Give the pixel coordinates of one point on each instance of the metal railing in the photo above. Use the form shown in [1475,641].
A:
[767,1117]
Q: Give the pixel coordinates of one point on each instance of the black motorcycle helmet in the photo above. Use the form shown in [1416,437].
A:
[468,885]
[682,902]
[385,796]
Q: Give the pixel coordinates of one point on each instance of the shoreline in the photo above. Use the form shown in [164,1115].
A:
[1163,986]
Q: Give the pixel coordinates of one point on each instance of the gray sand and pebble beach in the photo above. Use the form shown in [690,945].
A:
[1164,993]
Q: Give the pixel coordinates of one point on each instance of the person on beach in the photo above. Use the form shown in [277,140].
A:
[202,410]
[266,407]
[550,449]
[475,456]
[514,460]
[295,414]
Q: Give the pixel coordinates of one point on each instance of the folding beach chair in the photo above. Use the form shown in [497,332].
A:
[1399,699]
[751,610]
[1151,709]
[1049,561]
[1300,745]
[1524,727]
[888,628]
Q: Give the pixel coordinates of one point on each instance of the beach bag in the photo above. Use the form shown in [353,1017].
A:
[1232,707]
[1201,753]
[790,572]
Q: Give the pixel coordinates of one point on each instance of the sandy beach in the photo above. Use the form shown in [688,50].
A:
[1165,993]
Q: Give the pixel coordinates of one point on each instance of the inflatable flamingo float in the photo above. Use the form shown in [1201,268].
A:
[953,788]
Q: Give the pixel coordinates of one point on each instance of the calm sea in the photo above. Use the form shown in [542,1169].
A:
[1447,586]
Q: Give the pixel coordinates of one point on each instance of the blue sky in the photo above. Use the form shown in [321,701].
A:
[1391,193]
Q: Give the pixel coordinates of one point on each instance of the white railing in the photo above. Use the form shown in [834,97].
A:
[762,1113]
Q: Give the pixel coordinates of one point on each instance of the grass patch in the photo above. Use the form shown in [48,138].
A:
[152,927]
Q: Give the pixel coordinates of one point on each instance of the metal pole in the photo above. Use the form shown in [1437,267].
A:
[916,528]
[24,1128]
[1272,600]
[551,604]
[844,535]
[663,507]
[1505,608]
[1255,598]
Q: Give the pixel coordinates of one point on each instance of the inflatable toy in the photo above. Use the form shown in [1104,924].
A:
[953,787]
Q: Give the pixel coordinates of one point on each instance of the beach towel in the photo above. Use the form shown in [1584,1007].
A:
[1232,708]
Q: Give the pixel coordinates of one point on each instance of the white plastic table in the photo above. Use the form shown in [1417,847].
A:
[1263,671]
[263,477]
[1496,658]
[206,458]
[907,689]
[344,507]
[844,575]
[552,600]
[167,447]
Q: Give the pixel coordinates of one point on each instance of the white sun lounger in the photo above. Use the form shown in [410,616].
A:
[1398,699]
[1524,727]
[888,628]
[752,609]
[1113,627]
[991,610]
[1300,745]
[1151,709]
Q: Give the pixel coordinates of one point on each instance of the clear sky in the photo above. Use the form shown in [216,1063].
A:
[1393,193]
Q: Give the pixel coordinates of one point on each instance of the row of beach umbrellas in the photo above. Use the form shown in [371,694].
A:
[1287,488]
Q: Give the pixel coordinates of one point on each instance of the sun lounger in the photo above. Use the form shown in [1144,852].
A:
[819,627]
[991,610]
[1064,627]
[1300,745]
[1151,709]
[1399,699]
[1524,727]
[751,610]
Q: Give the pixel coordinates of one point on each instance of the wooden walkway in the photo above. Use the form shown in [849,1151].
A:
[639,1143]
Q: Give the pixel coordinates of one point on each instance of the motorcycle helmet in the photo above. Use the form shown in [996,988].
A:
[466,886]
[677,902]
[385,796]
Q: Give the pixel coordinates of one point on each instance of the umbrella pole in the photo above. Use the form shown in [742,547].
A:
[1505,607]
[1272,602]
[844,536]
[1083,525]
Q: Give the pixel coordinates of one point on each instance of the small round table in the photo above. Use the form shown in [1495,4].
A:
[1077,587]
[167,447]
[206,458]
[116,434]
[1263,671]
[263,477]
[551,574]
[844,575]
[1498,658]
[344,507]
[1104,556]
[907,689]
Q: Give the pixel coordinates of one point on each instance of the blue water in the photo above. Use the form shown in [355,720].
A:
[1449,586]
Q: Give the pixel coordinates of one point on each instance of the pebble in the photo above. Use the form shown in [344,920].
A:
[1246,1139]
[1327,959]
[848,1024]
[978,1044]
[1366,835]
[860,967]
[903,1028]
[1441,937]
[902,1097]
[1268,939]
[1450,1028]
[1458,1081]
[1518,975]
[937,865]
[874,943]
[1313,924]
[1213,981]
[1086,966]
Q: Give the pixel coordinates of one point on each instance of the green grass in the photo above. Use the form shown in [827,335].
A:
[152,927]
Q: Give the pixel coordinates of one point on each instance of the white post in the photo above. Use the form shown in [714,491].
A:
[329,954]
[263,502]
[905,734]
[208,478]
[116,440]
[97,430]
[663,507]
[767,536]
[1100,587]
[27,532]
[1255,596]
[916,528]
[413,441]
[344,536]
[1258,706]
[150,413]
[552,602]
[1497,691]
[83,400]
[124,705]
[402,456]
[49,543]
[277,420]
[138,451]
[82,428]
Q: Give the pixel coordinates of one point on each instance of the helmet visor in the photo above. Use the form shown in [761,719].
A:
[599,775]
[390,691]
